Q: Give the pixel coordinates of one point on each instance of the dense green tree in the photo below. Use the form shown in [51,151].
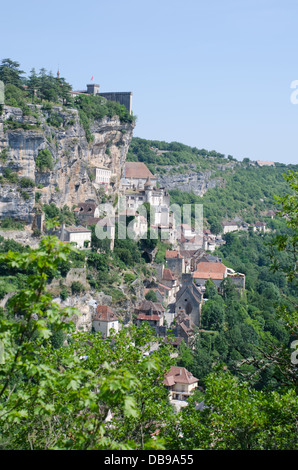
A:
[10,73]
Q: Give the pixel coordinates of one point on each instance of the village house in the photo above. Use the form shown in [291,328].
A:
[180,383]
[238,280]
[105,320]
[175,262]
[210,270]
[135,176]
[229,227]
[265,163]
[184,328]
[87,210]
[259,227]
[80,236]
[151,312]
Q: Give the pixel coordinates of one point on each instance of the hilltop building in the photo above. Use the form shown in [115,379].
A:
[122,97]
[138,186]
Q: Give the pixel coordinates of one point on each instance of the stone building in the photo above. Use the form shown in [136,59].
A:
[80,236]
[151,312]
[210,270]
[135,175]
[189,298]
[180,383]
[86,210]
[105,320]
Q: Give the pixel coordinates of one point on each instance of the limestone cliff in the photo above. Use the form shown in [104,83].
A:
[70,181]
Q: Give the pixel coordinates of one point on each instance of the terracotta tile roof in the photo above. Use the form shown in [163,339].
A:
[173,254]
[168,275]
[202,275]
[143,316]
[179,375]
[211,267]
[137,170]
[105,313]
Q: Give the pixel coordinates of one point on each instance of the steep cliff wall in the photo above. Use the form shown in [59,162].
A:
[70,181]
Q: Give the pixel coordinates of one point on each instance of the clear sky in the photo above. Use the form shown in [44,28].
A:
[213,74]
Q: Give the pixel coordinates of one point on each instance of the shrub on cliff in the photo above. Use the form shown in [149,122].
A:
[44,160]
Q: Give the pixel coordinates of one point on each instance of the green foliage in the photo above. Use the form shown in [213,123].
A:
[151,295]
[77,287]
[236,417]
[44,160]
[10,224]
[55,120]
[11,74]
[26,183]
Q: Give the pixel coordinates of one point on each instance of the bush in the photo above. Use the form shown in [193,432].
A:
[26,183]
[77,287]
[44,160]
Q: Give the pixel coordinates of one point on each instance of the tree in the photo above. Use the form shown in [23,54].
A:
[54,397]
[10,73]
[236,417]
[44,160]
[151,295]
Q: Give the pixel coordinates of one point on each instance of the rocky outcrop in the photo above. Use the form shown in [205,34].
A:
[70,181]
[193,182]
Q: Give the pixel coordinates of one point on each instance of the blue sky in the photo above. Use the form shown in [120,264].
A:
[212,74]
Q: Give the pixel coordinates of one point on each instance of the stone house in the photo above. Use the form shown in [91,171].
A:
[86,210]
[180,383]
[105,320]
[184,328]
[80,236]
[215,271]
[135,175]
[229,227]
[175,262]
[151,312]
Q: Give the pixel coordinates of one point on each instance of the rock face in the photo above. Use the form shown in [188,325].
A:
[70,181]
[196,182]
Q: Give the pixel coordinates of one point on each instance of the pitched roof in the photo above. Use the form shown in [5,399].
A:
[104,313]
[211,267]
[74,229]
[137,170]
[147,305]
[210,271]
[143,316]
[86,207]
[173,254]
[167,275]
[179,375]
